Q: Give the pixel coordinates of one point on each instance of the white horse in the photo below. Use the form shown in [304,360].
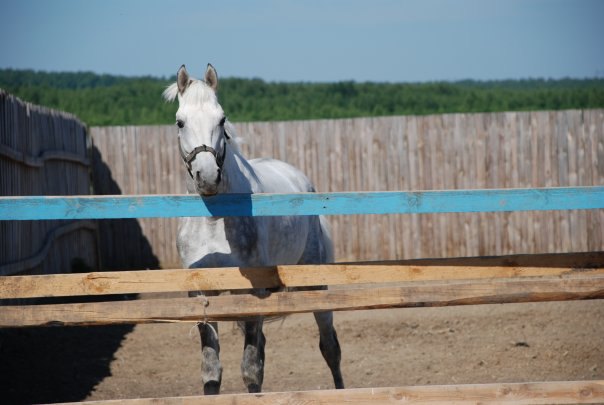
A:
[215,165]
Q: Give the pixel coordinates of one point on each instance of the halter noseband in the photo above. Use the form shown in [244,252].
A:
[188,158]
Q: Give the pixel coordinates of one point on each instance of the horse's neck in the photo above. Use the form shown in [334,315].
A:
[238,174]
[235,179]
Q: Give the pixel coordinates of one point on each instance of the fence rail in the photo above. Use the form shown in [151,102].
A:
[452,201]
[474,284]
[241,278]
[236,307]
[559,392]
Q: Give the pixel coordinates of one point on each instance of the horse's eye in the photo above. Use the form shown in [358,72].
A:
[222,121]
[180,123]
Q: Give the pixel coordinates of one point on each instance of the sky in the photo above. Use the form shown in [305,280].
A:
[309,40]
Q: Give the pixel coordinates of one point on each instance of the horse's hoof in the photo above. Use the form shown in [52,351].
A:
[254,388]
[211,388]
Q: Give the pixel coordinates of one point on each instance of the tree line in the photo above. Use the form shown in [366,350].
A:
[117,100]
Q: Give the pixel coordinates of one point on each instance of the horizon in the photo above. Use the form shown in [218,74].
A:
[173,77]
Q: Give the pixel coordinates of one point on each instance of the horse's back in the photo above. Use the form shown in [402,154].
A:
[276,176]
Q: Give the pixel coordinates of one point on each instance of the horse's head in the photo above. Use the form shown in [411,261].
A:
[201,135]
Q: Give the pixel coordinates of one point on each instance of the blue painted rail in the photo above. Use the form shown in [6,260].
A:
[348,203]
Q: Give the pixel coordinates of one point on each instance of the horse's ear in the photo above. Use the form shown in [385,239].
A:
[211,77]
[182,79]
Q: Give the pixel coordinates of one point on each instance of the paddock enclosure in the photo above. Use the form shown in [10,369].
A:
[516,216]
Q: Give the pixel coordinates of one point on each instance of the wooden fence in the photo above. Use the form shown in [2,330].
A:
[44,152]
[560,392]
[401,284]
[440,152]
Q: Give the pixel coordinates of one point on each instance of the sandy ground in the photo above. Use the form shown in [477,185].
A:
[474,344]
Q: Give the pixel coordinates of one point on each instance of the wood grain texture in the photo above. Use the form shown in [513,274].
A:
[233,278]
[232,307]
[559,392]
[43,152]
[27,263]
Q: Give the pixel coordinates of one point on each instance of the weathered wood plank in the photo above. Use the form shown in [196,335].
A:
[232,278]
[344,203]
[230,307]
[558,392]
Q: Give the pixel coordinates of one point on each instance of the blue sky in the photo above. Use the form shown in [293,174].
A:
[395,41]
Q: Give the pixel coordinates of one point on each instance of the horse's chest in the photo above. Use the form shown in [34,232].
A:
[219,242]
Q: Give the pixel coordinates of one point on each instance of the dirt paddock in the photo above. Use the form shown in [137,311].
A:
[454,345]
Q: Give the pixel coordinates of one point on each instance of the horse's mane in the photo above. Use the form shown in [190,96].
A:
[170,92]
[199,92]
[235,140]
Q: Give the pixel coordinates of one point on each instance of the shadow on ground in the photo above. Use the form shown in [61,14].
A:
[42,365]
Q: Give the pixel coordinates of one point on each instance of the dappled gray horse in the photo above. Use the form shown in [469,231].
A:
[214,164]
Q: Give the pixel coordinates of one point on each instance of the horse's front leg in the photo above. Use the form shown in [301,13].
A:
[252,364]
[211,369]
[328,341]
[329,345]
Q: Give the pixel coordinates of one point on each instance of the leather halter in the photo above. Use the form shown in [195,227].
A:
[188,158]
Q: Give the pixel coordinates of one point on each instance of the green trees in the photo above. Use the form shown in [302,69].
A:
[116,100]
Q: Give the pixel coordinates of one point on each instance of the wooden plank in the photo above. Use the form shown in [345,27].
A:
[558,392]
[232,307]
[419,202]
[233,278]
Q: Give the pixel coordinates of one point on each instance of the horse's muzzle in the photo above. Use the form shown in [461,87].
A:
[205,188]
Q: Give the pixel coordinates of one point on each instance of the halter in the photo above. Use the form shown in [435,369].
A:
[187,158]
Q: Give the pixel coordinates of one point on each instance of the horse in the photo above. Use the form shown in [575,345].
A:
[208,147]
